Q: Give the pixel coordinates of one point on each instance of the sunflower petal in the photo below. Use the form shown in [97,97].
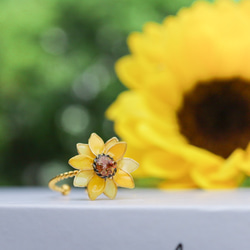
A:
[110,143]
[96,144]
[128,165]
[83,177]
[110,189]
[81,162]
[164,164]
[118,150]
[245,162]
[83,149]
[123,179]
[95,187]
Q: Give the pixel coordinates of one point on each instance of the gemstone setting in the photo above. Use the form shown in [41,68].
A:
[105,166]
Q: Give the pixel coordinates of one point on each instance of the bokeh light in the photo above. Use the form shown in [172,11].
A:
[74,119]
[57,77]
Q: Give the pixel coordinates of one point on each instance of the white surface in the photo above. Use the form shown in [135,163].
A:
[38,218]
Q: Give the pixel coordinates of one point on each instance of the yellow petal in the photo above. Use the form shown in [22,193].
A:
[128,165]
[131,71]
[164,164]
[83,177]
[95,187]
[230,168]
[83,149]
[209,177]
[221,175]
[170,97]
[110,189]
[117,151]
[81,162]
[123,179]
[96,144]
[244,163]
[137,154]
[109,144]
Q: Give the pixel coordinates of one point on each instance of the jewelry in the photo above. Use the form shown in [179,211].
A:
[101,167]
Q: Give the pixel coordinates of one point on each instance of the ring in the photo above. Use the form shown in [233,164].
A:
[100,167]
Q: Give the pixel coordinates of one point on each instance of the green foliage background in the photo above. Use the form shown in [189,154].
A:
[57,77]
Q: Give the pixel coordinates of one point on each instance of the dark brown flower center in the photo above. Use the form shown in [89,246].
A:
[215,115]
[105,166]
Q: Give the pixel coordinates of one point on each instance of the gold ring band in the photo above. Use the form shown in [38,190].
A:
[64,189]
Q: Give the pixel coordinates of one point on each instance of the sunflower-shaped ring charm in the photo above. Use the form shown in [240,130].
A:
[101,167]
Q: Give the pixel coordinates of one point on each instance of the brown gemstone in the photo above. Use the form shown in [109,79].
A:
[215,115]
[105,166]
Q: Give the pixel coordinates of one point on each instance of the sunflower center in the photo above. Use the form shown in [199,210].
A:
[105,166]
[215,115]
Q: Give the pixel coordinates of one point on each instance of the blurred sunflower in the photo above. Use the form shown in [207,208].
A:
[186,116]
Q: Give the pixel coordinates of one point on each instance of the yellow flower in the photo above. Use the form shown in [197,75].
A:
[103,167]
[187,113]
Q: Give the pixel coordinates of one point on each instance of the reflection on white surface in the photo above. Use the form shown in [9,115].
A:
[135,198]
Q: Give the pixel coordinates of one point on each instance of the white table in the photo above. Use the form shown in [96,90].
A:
[143,219]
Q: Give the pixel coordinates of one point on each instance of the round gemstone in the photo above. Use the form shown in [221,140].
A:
[105,166]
